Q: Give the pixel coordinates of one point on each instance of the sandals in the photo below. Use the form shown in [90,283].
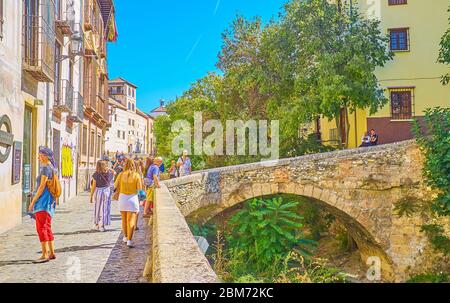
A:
[41,260]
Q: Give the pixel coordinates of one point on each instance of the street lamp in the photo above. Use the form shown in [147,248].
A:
[77,44]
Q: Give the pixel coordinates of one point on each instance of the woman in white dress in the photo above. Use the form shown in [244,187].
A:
[128,183]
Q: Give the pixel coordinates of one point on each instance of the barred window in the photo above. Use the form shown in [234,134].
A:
[399,39]
[401,104]
[397,2]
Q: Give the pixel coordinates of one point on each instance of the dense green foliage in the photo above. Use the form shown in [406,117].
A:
[316,60]
[435,140]
[296,269]
[206,230]
[265,231]
[430,278]
[436,235]
[444,52]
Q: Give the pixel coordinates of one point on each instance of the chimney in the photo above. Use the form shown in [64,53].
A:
[161,102]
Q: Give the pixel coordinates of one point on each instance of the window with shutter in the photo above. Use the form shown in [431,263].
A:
[401,104]
[399,39]
[397,2]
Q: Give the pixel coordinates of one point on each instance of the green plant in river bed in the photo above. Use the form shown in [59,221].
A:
[296,269]
[430,278]
[205,230]
[265,231]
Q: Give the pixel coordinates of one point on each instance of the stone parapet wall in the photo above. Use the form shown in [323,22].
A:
[83,178]
[177,257]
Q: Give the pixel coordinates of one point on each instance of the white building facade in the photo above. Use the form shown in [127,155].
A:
[131,129]
[39,79]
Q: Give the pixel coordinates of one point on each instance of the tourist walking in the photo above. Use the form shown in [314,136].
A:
[173,171]
[184,164]
[128,183]
[101,195]
[42,206]
[118,166]
[152,179]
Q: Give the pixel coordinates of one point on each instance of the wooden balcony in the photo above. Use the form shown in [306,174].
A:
[38,43]
[65,18]
[88,15]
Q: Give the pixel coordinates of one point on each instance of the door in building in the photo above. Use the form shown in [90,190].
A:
[27,159]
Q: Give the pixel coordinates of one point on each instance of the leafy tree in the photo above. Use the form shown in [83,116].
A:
[265,231]
[199,98]
[332,53]
[434,138]
[242,65]
[444,52]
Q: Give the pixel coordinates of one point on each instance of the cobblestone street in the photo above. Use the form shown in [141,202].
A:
[83,254]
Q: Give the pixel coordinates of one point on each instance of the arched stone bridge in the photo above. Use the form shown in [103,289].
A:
[359,186]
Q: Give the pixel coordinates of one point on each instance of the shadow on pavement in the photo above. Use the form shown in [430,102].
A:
[80,248]
[15,262]
[78,232]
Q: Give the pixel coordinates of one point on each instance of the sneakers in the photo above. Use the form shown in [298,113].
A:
[102,229]
[125,240]
[129,244]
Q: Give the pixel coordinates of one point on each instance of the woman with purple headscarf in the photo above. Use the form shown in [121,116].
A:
[42,206]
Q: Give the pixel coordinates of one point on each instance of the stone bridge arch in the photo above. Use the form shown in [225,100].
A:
[359,186]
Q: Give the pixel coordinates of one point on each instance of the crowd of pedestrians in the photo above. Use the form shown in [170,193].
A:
[126,179]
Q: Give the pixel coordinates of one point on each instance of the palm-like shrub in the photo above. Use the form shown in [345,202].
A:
[265,231]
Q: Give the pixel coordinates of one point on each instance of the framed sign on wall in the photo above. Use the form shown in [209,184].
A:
[16,162]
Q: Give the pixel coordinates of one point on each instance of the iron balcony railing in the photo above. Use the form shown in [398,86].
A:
[38,44]
[65,16]
[78,114]
[64,97]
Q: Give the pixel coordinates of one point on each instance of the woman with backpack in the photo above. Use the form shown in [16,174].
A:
[127,185]
[43,204]
[101,195]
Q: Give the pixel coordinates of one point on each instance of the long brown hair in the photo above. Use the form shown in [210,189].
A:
[141,166]
[130,166]
[102,167]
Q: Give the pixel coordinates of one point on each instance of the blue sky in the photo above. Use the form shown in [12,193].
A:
[165,45]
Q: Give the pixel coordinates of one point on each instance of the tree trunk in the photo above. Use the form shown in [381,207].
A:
[337,119]
[347,127]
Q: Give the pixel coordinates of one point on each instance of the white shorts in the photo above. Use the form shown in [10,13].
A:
[129,203]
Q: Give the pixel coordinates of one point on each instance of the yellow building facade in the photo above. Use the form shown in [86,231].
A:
[411,80]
